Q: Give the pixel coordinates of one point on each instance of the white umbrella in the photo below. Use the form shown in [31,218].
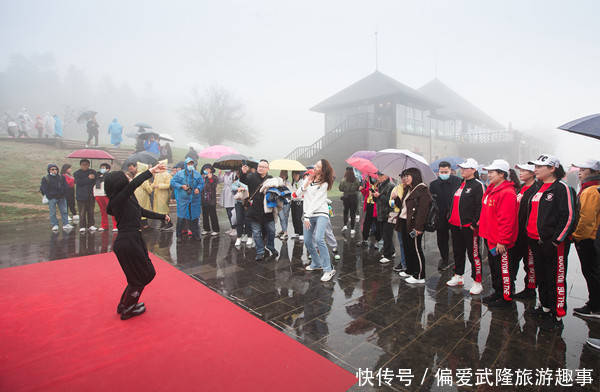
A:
[166,136]
[392,162]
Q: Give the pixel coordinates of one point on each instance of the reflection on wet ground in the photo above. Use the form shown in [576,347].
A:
[367,316]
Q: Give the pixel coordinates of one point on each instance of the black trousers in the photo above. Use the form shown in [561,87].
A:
[297,211]
[551,274]
[183,224]
[387,231]
[369,220]
[70,196]
[443,238]
[522,251]
[86,212]
[413,252]
[92,135]
[590,267]
[132,255]
[503,270]
[466,240]
[209,217]
[350,207]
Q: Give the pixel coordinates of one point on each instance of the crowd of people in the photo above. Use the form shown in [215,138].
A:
[23,125]
[530,218]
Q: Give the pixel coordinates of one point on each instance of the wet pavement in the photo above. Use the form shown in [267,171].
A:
[367,317]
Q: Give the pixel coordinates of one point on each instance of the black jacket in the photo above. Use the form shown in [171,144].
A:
[209,192]
[417,208]
[256,211]
[523,207]
[84,186]
[54,187]
[557,215]
[469,205]
[443,192]
[126,209]
[383,201]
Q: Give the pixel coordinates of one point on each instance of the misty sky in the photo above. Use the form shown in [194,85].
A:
[533,63]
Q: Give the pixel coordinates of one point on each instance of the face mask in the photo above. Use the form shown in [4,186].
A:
[205,171]
[444,176]
[103,170]
[52,173]
[190,167]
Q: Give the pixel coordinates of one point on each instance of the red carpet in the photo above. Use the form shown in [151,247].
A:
[59,331]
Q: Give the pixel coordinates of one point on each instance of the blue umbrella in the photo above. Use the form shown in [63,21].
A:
[587,126]
[454,161]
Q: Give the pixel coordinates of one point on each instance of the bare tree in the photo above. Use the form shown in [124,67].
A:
[217,116]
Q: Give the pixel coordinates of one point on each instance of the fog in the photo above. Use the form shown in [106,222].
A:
[533,64]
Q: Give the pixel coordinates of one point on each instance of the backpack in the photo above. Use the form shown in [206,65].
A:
[432,221]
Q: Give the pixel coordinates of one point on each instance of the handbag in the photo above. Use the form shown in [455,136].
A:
[393,217]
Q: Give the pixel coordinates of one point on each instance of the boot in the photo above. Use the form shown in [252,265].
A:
[132,311]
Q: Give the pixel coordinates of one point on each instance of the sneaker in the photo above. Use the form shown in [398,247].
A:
[233,233]
[70,220]
[525,294]
[204,232]
[457,280]
[301,238]
[327,276]
[311,268]
[273,252]
[551,324]
[344,228]
[279,234]
[101,229]
[244,238]
[477,288]
[115,230]
[75,218]
[491,298]
[595,343]
[337,257]
[82,230]
[214,233]
[413,280]
[250,242]
[92,228]
[67,227]
[403,274]
[352,232]
[384,260]
[334,250]
[399,268]
[55,228]
[238,242]
[283,237]
[585,311]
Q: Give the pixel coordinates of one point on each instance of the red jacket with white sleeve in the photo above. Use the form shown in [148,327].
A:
[498,222]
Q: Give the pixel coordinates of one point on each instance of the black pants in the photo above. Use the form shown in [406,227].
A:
[183,224]
[590,267]
[387,230]
[503,270]
[413,252]
[92,135]
[522,251]
[350,206]
[551,274]
[70,196]
[443,238]
[466,240]
[86,212]
[297,211]
[132,255]
[369,220]
[209,218]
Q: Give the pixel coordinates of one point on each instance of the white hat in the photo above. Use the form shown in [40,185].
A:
[525,166]
[588,164]
[470,163]
[498,164]
[546,160]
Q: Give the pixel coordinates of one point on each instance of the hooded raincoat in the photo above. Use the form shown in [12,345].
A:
[162,192]
[115,130]
[189,204]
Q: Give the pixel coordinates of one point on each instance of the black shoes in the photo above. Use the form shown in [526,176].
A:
[491,298]
[121,307]
[399,268]
[585,311]
[132,311]
[525,294]
[273,252]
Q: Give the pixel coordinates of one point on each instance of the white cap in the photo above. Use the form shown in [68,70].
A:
[588,164]
[470,163]
[546,160]
[498,164]
[525,166]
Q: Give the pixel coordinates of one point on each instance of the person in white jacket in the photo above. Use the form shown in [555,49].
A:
[316,217]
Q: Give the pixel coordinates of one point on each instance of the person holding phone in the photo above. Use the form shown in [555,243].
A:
[499,226]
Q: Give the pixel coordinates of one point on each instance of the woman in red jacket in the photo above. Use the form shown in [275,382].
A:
[367,189]
[499,226]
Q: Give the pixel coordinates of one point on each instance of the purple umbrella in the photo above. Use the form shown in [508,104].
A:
[364,154]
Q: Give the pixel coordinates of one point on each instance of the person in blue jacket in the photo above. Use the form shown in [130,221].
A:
[151,145]
[115,130]
[188,185]
[58,127]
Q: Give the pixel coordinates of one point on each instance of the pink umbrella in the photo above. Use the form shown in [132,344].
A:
[365,166]
[216,152]
[365,154]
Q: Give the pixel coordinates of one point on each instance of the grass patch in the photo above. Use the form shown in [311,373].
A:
[13,214]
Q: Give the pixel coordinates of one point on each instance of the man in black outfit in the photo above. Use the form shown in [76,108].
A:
[442,191]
